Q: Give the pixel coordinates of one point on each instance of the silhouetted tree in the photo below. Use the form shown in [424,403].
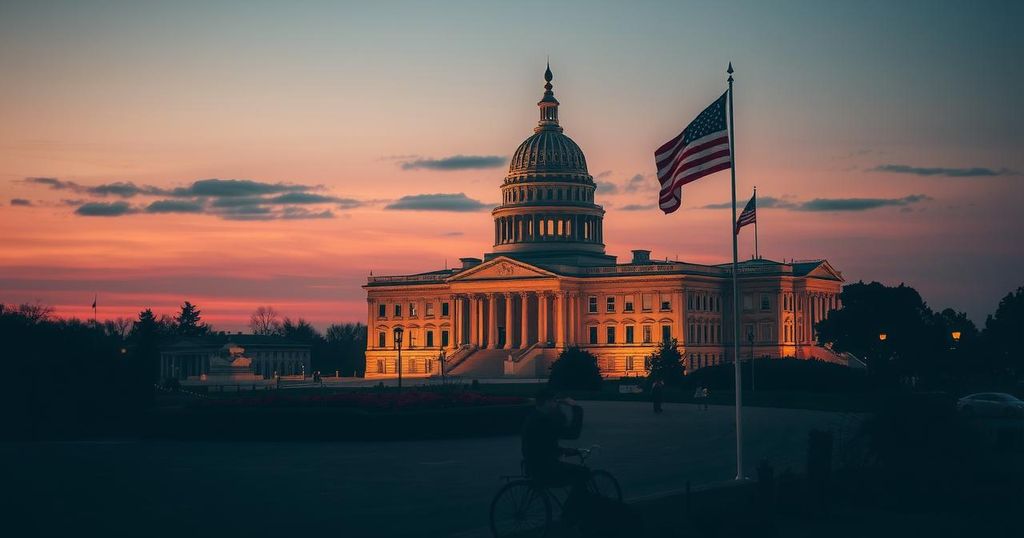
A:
[1003,332]
[346,349]
[918,341]
[33,312]
[119,327]
[667,363]
[189,321]
[146,337]
[299,331]
[70,374]
[265,320]
[575,368]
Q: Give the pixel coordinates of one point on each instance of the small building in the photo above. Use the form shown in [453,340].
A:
[191,356]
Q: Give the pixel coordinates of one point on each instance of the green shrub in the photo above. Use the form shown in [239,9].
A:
[576,369]
[667,364]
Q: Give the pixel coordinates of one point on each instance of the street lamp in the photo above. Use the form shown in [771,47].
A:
[956,336]
[398,344]
[882,336]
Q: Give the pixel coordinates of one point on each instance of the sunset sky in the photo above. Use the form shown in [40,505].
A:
[236,154]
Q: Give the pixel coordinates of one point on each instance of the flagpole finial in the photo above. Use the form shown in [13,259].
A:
[729,70]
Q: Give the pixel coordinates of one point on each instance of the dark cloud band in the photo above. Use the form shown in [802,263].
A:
[829,204]
[976,171]
[437,202]
[455,162]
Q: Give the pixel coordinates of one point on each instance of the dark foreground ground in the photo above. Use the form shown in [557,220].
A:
[423,488]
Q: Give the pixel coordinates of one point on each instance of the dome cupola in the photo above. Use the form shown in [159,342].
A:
[548,211]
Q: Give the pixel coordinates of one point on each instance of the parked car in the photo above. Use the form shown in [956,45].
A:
[992,404]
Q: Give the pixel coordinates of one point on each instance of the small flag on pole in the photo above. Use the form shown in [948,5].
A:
[94,302]
[749,214]
[701,149]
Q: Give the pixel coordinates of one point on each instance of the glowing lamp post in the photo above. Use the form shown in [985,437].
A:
[398,345]
[882,337]
[956,336]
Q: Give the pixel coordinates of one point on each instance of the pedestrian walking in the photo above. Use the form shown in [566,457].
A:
[704,394]
[698,394]
[657,395]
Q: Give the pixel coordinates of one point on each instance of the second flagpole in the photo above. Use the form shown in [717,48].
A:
[735,296]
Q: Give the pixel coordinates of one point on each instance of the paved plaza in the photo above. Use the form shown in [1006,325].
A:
[421,488]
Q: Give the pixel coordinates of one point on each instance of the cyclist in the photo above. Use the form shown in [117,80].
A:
[542,453]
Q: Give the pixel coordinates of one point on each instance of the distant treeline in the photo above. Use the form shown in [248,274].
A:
[75,377]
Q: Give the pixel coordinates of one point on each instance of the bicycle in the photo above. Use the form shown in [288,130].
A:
[523,507]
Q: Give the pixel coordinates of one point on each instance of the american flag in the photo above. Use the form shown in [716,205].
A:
[749,214]
[701,149]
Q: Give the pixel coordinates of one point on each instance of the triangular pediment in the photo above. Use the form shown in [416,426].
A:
[502,268]
[826,271]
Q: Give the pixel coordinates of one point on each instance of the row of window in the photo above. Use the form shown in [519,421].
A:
[529,194]
[703,302]
[382,310]
[765,304]
[765,332]
[411,339]
[790,302]
[409,366]
[705,333]
[694,362]
[533,227]
[628,305]
[260,355]
[629,334]
[700,360]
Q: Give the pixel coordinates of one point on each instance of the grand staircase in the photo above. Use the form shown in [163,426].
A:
[482,364]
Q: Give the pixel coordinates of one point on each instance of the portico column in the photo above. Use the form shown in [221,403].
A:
[524,326]
[473,321]
[570,333]
[453,341]
[508,321]
[479,335]
[542,317]
[560,319]
[492,322]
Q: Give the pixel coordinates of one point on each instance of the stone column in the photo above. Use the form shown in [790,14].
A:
[492,321]
[474,322]
[679,298]
[508,321]
[524,327]
[453,338]
[559,319]
[568,318]
[479,316]
[542,317]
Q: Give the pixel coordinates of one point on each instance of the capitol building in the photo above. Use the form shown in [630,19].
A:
[548,284]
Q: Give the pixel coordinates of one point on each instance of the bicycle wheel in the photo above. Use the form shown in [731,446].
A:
[520,509]
[603,484]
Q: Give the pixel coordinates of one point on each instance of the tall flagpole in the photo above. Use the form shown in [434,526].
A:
[735,296]
[757,255]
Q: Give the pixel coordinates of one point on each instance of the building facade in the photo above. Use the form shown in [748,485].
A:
[191,356]
[548,284]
